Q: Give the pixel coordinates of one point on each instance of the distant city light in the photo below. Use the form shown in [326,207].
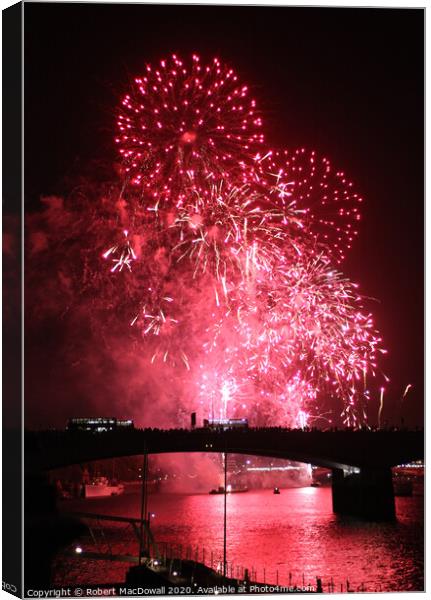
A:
[271,468]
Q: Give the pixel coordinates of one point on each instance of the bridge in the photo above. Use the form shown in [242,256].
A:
[47,450]
[367,492]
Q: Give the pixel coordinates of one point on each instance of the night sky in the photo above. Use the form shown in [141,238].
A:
[347,82]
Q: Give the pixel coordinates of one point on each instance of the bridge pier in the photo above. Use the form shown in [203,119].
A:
[365,493]
[46,530]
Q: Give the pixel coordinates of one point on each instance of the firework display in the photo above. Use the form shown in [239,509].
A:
[216,257]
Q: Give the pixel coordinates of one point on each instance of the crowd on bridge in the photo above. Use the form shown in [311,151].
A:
[268,429]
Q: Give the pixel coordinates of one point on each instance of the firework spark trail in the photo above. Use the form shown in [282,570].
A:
[379,415]
[216,230]
[126,254]
[406,391]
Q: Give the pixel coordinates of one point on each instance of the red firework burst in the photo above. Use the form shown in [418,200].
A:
[324,196]
[184,119]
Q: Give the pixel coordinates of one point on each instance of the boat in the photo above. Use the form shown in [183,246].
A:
[101,487]
[230,490]
[276,490]
[403,487]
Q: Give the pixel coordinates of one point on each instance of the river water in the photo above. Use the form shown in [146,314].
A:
[290,538]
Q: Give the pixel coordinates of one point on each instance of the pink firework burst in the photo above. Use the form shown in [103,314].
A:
[184,119]
[229,231]
[299,336]
[324,196]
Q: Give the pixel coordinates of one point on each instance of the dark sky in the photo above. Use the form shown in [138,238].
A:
[347,82]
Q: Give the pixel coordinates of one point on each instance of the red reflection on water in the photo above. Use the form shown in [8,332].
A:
[293,536]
